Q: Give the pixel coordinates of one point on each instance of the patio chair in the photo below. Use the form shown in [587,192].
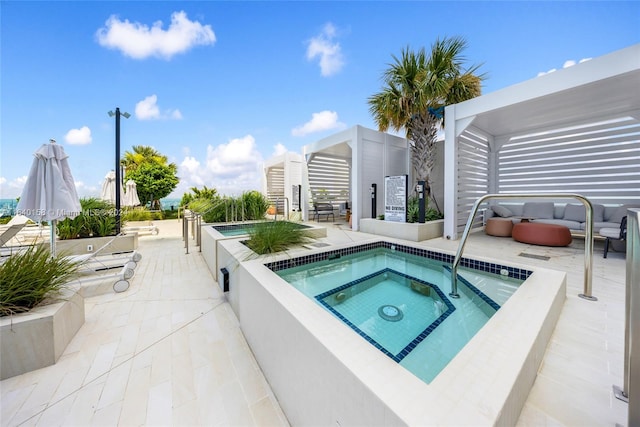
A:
[619,234]
[97,267]
[320,209]
[9,233]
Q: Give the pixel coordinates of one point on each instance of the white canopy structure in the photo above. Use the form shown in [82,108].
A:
[342,168]
[574,130]
[281,174]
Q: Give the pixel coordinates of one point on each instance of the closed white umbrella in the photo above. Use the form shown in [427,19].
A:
[50,192]
[131,194]
[108,192]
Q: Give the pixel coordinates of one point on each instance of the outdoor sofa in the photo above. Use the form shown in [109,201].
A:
[572,216]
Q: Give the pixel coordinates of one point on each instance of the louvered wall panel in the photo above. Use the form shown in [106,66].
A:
[275,187]
[473,175]
[329,179]
[598,160]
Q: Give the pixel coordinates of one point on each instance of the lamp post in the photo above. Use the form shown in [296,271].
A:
[118,179]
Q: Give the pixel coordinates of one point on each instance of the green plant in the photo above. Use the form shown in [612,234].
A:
[413,210]
[169,214]
[137,215]
[29,278]
[275,236]
[254,205]
[92,221]
[105,226]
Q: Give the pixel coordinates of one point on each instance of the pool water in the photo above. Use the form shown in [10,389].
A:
[399,303]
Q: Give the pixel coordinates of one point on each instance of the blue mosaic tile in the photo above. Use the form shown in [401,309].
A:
[516,273]
[413,343]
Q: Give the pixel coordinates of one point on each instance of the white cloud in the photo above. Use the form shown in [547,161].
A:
[279,149]
[148,109]
[138,41]
[329,52]
[324,120]
[84,190]
[568,63]
[12,189]
[229,168]
[80,136]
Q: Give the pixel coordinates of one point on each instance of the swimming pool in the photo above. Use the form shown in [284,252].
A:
[398,301]
[324,374]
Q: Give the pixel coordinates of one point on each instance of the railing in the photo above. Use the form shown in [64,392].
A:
[631,385]
[588,239]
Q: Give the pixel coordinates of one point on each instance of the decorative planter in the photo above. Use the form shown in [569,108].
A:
[37,339]
[403,230]
[126,243]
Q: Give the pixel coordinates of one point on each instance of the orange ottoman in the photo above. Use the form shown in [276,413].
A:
[538,233]
[500,227]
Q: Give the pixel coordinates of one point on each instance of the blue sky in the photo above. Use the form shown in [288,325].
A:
[219,87]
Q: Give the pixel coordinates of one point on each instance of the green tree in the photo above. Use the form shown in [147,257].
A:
[153,180]
[416,89]
[144,154]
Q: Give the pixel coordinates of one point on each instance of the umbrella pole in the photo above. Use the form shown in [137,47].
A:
[52,248]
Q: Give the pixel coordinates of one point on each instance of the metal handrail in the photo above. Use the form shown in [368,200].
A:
[631,377]
[588,239]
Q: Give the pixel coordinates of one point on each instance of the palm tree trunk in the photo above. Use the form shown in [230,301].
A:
[423,130]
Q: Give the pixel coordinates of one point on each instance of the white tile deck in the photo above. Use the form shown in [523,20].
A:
[169,351]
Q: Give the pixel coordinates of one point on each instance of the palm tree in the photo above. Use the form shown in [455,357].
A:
[142,154]
[416,89]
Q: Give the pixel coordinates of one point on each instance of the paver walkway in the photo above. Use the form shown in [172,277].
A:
[168,351]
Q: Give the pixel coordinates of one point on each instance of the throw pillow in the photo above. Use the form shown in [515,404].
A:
[501,211]
[538,210]
[620,212]
[575,213]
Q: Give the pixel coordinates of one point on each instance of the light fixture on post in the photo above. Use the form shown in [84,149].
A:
[118,179]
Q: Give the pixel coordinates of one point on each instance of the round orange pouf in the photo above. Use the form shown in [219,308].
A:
[538,233]
[500,227]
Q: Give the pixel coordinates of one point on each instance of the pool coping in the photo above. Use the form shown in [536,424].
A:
[486,383]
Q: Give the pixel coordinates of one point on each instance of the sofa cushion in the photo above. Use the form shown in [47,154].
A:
[538,210]
[579,213]
[572,225]
[501,211]
[598,225]
[620,212]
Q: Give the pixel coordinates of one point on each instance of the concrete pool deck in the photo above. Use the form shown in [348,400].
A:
[170,351]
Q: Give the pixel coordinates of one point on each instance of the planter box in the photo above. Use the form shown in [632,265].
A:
[403,230]
[37,339]
[126,243]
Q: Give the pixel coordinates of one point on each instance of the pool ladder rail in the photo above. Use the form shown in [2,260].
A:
[588,239]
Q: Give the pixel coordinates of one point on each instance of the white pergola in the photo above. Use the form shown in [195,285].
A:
[353,160]
[576,130]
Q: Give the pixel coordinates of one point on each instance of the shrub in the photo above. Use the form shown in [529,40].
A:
[137,215]
[275,236]
[253,204]
[93,221]
[31,277]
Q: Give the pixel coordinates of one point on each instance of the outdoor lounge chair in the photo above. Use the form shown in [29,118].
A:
[614,234]
[12,228]
[95,267]
[140,227]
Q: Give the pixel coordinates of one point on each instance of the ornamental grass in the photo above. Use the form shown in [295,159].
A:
[275,236]
[32,277]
